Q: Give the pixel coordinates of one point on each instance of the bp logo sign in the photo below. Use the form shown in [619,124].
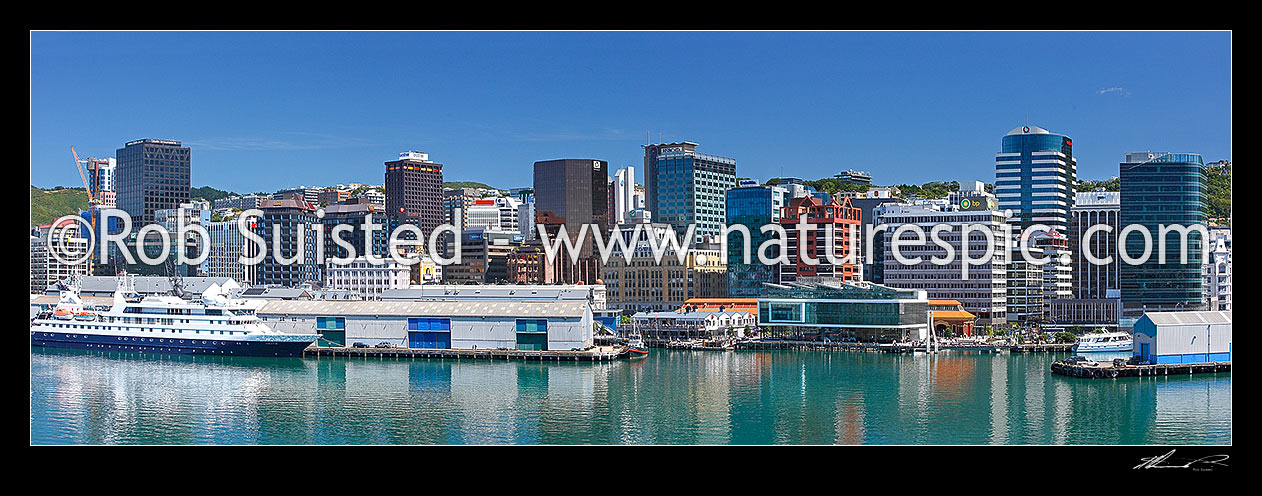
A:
[977,204]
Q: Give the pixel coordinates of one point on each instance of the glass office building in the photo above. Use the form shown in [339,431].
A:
[686,187]
[1034,177]
[832,309]
[752,206]
[1162,189]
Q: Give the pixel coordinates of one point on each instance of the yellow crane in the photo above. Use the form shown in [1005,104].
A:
[92,202]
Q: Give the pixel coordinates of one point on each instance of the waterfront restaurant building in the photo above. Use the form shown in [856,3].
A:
[462,325]
[834,309]
[1183,337]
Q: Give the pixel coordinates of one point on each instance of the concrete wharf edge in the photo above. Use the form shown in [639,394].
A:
[411,353]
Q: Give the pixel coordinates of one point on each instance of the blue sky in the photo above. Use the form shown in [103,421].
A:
[264,111]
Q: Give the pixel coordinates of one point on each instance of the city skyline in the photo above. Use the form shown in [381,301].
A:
[294,107]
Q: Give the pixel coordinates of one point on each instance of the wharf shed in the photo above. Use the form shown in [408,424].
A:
[519,325]
[1183,337]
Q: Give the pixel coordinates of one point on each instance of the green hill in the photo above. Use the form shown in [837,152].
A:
[49,204]
[208,193]
[466,184]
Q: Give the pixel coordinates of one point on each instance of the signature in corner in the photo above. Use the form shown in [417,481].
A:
[1202,462]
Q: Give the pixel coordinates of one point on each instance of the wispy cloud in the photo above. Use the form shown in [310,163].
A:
[293,142]
[1116,89]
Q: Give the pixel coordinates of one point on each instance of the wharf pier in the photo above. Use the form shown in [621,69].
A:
[900,347]
[598,354]
[1109,371]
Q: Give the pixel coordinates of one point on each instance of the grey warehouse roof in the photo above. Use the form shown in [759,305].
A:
[426,308]
[1184,318]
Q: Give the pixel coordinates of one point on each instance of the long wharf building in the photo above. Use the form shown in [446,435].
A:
[834,309]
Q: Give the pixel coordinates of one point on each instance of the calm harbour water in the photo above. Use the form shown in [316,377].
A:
[671,397]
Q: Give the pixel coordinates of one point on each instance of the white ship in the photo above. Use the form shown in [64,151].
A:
[214,323]
[1104,341]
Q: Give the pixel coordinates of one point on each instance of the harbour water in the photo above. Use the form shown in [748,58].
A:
[670,397]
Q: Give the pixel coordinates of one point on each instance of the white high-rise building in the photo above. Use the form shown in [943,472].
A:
[624,199]
[984,293]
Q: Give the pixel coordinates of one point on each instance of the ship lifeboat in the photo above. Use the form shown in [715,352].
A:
[85,316]
[63,314]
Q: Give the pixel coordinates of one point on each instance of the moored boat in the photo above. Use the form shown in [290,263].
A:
[214,324]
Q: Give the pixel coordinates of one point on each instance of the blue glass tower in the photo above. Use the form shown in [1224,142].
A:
[1162,189]
[686,187]
[753,207]
[1034,177]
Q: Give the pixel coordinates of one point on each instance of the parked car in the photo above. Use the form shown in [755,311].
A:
[384,344]
[359,345]
[1120,362]
[1075,359]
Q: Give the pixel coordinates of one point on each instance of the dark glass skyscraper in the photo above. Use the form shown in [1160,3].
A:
[1035,174]
[152,175]
[1162,189]
[573,192]
[414,194]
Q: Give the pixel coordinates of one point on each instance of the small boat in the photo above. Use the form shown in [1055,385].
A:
[1104,341]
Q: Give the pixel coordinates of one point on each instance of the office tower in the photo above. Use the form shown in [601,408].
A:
[1035,172]
[685,187]
[484,255]
[1162,189]
[822,214]
[1092,281]
[752,206]
[227,245]
[572,192]
[414,193]
[354,214]
[1057,272]
[285,227]
[1095,298]
[456,203]
[984,292]
[151,174]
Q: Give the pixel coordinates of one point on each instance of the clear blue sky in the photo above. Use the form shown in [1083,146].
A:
[263,111]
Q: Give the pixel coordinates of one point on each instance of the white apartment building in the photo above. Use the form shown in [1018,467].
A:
[366,278]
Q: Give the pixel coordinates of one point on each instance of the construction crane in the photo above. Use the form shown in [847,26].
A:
[92,201]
